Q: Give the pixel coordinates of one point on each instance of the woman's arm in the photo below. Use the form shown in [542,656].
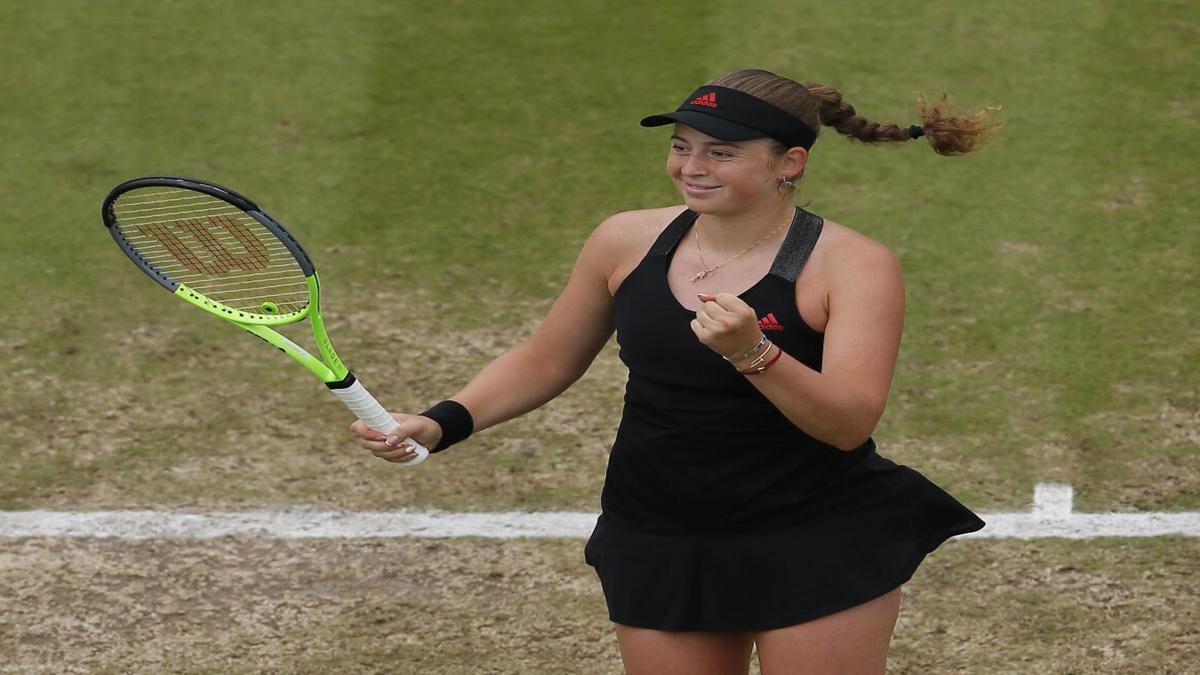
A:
[529,375]
[842,404]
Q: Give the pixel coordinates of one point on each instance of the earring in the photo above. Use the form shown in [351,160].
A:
[786,183]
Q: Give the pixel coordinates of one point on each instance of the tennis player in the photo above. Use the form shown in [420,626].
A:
[744,501]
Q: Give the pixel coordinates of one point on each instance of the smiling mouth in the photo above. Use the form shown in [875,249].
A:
[700,188]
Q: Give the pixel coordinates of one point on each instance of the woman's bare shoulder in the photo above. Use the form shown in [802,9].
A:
[634,226]
[842,244]
[853,266]
[632,233]
[627,236]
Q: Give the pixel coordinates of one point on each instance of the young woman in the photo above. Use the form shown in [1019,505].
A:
[744,500]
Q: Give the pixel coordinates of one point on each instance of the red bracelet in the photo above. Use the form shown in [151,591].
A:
[759,370]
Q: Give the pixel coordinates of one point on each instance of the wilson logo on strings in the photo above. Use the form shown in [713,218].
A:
[220,260]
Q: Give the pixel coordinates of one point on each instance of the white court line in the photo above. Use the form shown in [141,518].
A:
[1051,516]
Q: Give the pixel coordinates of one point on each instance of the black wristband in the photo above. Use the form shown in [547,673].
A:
[455,420]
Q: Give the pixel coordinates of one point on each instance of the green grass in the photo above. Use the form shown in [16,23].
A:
[443,164]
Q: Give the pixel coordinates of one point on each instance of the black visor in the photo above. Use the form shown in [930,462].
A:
[731,115]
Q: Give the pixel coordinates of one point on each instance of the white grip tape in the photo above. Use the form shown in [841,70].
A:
[362,403]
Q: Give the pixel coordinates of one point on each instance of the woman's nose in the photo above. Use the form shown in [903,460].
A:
[694,166]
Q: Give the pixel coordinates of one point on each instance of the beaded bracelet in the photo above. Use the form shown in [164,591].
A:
[749,352]
[759,370]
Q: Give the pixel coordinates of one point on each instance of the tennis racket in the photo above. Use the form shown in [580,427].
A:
[220,252]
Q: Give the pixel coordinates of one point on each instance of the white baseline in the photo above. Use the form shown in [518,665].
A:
[1051,516]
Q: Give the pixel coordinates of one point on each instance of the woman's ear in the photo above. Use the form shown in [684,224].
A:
[794,161]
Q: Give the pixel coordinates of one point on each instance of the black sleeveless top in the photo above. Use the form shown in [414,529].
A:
[699,449]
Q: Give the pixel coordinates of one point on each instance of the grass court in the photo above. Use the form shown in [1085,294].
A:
[443,163]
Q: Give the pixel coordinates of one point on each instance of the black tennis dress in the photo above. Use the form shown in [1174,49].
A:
[717,512]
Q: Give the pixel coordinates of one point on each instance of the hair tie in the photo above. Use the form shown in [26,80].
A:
[915,131]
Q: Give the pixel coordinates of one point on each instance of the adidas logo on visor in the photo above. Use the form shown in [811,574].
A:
[709,100]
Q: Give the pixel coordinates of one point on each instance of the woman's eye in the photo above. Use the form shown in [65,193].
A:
[717,154]
[679,148]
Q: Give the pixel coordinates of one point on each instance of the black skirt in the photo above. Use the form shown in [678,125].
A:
[856,541]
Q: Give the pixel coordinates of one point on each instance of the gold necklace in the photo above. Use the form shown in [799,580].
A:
[700,275]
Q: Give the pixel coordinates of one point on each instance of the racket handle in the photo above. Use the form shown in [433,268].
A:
[363,404]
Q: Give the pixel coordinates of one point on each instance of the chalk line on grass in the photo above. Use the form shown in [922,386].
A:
[1051,516]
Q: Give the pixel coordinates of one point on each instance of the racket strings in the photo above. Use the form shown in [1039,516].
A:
[214,248]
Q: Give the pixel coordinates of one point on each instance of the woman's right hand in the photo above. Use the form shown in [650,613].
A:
[421,429]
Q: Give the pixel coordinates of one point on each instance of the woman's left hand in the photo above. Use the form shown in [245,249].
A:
[726,324]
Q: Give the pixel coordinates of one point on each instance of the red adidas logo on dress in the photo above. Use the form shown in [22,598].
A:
[709,100]
[769,322]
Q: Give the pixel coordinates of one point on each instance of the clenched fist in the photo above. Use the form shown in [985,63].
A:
[726,324]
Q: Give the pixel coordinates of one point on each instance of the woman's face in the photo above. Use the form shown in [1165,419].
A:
[725,177]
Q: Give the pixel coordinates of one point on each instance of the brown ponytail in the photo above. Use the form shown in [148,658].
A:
[816,104]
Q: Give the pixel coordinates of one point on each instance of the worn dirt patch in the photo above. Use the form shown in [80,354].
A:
[255,606]
[244,605]
[230,424]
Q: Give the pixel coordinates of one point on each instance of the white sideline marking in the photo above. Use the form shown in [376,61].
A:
[294,523]
[1051,516]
